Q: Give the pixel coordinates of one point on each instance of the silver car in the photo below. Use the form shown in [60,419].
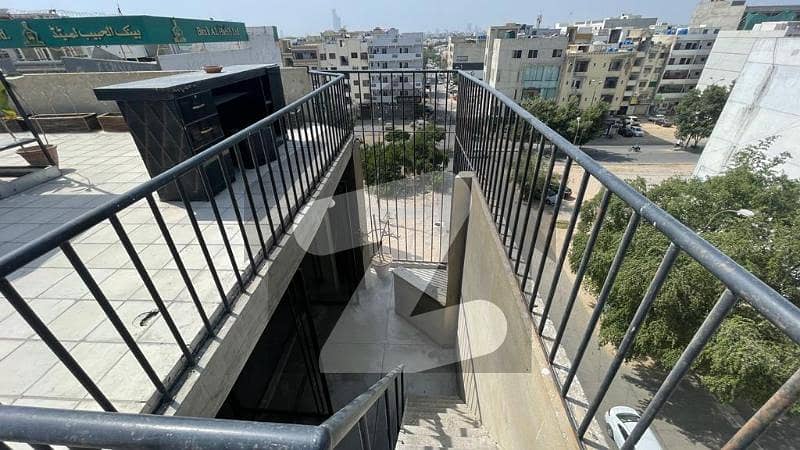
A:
[620,421]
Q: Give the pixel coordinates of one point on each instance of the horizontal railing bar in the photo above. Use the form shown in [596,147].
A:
[775,307]
[136,431]
[346,418]
[50,240]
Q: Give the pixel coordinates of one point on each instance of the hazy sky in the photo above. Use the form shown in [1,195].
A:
[299,17]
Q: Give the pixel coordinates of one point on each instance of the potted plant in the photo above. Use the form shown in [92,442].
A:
[33,154]
[381,260]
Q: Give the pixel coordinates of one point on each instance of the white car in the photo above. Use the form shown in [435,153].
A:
[637,131]
[620,421]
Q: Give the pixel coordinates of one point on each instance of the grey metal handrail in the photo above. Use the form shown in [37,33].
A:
[487,146]
[94,429]
[134,431]
[50,240]
[354,413]
[775,307]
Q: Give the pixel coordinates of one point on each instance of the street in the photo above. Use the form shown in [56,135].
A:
[649,154]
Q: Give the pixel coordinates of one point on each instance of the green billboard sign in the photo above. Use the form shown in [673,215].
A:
[115,30]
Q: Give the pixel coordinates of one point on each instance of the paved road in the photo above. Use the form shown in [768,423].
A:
[650,154]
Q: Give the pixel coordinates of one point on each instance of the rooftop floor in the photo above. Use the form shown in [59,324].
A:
[98,167]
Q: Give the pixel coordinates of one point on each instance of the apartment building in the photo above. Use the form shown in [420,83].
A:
[689,50]
[390,49]
[300,52]
[341,50]
[522,61]
[465,53]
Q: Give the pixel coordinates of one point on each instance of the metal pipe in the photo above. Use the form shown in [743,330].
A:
[137,431]
[777,405]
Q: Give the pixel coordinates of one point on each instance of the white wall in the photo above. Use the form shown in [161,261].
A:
[764,102]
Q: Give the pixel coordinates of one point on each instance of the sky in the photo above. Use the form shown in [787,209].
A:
[301,17]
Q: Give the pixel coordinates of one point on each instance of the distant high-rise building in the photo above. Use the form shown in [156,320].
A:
[337,21]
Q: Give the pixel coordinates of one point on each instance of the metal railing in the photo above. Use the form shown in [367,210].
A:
[306,137]
[406,134]
[487,127]
[89,429]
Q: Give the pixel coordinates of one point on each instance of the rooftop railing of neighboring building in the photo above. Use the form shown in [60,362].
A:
[486,123]
[499,142]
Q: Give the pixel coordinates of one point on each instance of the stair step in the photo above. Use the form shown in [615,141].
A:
[401,446]
[413,417]
[444,429]
[417,409]
[444,441]
[435,403]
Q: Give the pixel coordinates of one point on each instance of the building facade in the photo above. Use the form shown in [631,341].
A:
[392,50]
[522,62]
[465,53]
[348,51]
[623,75]
[689,50]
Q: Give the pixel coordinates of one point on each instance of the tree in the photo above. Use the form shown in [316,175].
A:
[748,358]
[697,113]
[404,154]
[563,117]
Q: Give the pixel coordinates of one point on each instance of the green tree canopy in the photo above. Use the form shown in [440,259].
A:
[404,154]
[697,113]
[748,358]
[563,117]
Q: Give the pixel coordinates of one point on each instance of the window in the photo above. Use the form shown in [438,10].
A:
[577,84]
[365,82]
[367,96]
[332,55]
[671,61]
[354,55]
[638,62]
[357,95]
[607,98]
[623,432]
[533,53]
[364,68]
[557,53]
[343,61]
[517,54]
[364,55]
[616,65]
[581,66]
[323,56]
[610,83]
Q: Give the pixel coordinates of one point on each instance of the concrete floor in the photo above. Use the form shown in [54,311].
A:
[98,167]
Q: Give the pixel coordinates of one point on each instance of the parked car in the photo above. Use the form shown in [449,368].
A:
[552,193]
[637,131]
[666,123]
[626,132]
[620,421]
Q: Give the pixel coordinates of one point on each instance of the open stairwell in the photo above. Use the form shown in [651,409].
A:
[433,422]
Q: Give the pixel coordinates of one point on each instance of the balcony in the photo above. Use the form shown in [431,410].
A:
[123,303]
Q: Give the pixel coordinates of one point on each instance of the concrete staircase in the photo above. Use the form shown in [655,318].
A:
[433,422]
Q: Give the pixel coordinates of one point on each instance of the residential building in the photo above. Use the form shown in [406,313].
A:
[737,15]
[342,50]
[624,75]
[623,21]
[761,67]
[522,61]
[300,52]
[689,50]
[465,53]
[390,49]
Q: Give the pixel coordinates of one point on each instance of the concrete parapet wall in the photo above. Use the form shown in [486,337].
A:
[59,93]
[510,387]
